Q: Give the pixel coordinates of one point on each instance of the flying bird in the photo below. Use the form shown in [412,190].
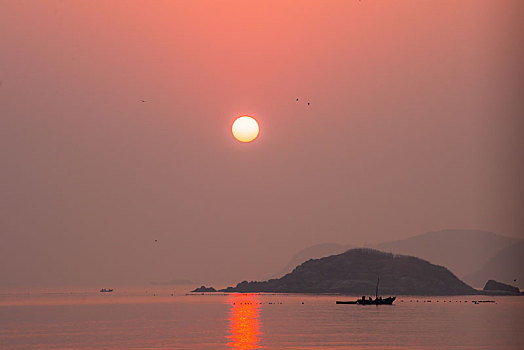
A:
[297,99]
[143,101]
[308,103]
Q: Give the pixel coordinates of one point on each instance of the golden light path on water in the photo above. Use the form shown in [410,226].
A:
[244,323]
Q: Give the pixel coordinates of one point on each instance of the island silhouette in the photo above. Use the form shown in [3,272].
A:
[355,272]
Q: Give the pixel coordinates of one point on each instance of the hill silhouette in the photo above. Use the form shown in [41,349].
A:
[506,267]
[462,251]
[355,273]
[313,252]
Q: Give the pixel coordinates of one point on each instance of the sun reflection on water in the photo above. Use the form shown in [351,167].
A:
[244,323]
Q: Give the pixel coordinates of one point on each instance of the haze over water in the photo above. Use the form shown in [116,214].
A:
[135,319]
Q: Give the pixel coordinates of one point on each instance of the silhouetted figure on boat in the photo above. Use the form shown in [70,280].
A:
[370,301]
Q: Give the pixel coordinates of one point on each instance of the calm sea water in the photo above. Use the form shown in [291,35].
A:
[137,319]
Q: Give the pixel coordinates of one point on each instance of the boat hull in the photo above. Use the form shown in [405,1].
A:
[363,301]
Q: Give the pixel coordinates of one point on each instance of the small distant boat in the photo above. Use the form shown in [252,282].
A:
[370,301]
[104,290]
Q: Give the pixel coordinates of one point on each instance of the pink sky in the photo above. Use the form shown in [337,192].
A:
[415,124]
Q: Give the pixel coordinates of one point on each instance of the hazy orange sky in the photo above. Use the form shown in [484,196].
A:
[416,124]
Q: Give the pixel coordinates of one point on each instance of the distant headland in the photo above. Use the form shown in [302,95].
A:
[355,272]
[204,289]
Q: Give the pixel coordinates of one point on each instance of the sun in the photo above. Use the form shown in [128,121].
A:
[245,129]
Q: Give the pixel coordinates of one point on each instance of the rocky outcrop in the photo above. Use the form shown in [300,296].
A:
[494,286]
[204,289]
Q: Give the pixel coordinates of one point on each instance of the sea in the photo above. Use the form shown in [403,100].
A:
[170,318]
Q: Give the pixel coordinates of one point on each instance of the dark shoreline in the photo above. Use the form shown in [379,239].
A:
[480,292]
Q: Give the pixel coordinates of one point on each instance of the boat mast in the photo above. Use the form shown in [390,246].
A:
[376,290]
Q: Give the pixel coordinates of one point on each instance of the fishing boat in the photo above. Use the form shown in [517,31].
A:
[369,300]
[104,290]
[376,301]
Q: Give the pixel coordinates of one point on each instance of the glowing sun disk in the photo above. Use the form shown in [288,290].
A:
[245,129]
